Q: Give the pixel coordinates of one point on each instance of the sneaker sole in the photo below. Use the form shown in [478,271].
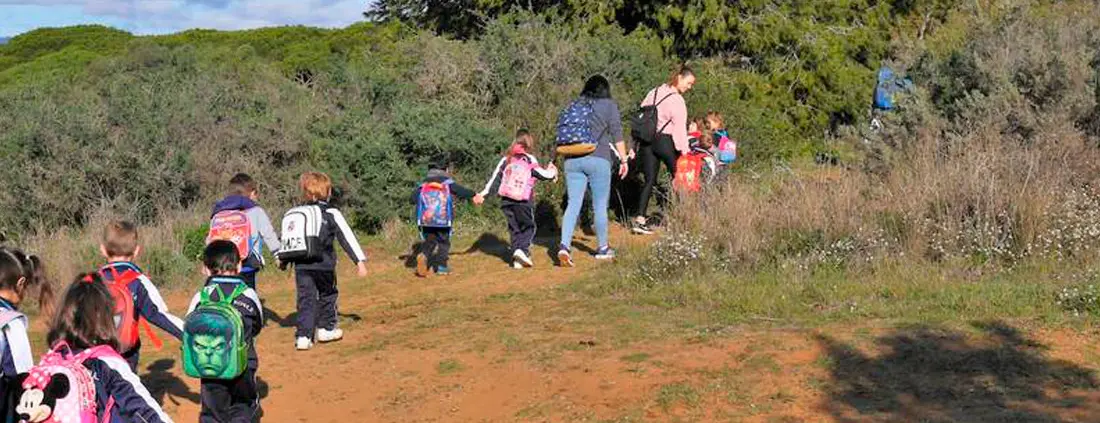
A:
[565,259]
[330,340]
[526,263]
[638,231]
[605,257]
[421,266]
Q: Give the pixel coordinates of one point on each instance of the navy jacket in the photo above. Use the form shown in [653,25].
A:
[147,300]
[248,304]
[334,228]
[133,403]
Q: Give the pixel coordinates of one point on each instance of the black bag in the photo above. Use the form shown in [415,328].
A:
[643,123]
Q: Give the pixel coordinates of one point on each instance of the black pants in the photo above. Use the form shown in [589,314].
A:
[521,224]
[317,295]
[230,401]
[250,279]
[650,157]
[436,246]
[133,357]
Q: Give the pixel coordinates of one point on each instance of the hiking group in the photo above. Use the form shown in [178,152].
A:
[95,335]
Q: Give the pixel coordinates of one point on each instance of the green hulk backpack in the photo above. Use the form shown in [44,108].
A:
[213,338]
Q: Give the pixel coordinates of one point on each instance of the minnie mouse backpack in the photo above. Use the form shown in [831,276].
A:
[61,390]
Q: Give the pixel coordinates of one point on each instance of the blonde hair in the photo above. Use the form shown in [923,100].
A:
[523,138]
[716,119]
[315,186]
[120,238]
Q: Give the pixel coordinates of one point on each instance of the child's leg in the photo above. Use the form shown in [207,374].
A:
[427,247]
[216,401]
[133,357]
[525,227]
[326,300]
[443,248]
[245,406]
[307,303]
[514,228]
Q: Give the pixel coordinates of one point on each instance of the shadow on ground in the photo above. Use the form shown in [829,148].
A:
[930,374]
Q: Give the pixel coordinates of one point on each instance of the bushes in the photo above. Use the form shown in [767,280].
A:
[984,168]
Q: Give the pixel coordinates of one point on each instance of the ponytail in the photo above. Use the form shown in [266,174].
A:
[15,265]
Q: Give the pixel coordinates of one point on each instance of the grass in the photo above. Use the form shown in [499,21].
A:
[677,393]
[449,366]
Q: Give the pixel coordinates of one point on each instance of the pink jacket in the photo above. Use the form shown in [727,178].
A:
[673,111]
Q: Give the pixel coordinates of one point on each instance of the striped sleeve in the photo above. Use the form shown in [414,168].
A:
[132,400]
[541,172]
[153,308]
[347,237]
[494,177]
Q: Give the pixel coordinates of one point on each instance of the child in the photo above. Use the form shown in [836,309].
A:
[316,281]
[434,199]
[84,321]
[703,145]
[725,148]
[18,274]
[238,212]
[517,172]
[229,400]
[125,280]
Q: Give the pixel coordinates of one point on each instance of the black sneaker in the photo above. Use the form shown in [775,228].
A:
[640,229]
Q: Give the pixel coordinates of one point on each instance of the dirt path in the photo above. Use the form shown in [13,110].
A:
[492,344]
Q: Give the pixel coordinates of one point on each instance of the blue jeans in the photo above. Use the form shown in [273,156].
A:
[580,174]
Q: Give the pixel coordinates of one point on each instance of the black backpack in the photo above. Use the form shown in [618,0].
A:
[643,123]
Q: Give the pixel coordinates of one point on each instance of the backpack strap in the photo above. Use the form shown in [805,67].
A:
[8,316]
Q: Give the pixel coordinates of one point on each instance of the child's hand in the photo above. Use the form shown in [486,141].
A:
[362,269]
[479,199]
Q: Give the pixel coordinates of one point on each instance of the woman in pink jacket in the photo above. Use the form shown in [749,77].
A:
[672,138]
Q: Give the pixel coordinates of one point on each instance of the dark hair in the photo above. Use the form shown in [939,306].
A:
[214,327]
[221,257]
[596,87]
[242,184]
[85,318]
[682,71]
[15,265]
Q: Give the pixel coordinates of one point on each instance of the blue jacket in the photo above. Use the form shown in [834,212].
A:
[147,301]
[248,304]
[114,379]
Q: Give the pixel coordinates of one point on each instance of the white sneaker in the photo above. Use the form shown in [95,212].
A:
[325,335]
[303,344]
[521,257]
[516,265]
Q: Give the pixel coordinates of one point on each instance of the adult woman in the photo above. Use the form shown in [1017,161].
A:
[672,139]
[593,170]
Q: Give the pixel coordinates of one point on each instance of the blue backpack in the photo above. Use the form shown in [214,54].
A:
[889,84]
[434,206]
[575,136]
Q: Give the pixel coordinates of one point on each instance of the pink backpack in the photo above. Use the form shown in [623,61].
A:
[61,379]
[517,183]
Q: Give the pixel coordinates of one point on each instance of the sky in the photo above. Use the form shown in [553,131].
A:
[165,16]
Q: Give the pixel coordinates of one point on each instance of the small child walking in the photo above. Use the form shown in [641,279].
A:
[316,280]
[19,275]
[516,174]
[434,199]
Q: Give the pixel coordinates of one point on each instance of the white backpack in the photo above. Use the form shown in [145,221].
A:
[301,230]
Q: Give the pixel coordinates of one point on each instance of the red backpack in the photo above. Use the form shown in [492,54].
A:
[689,173]
[125,318]
[233,226]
